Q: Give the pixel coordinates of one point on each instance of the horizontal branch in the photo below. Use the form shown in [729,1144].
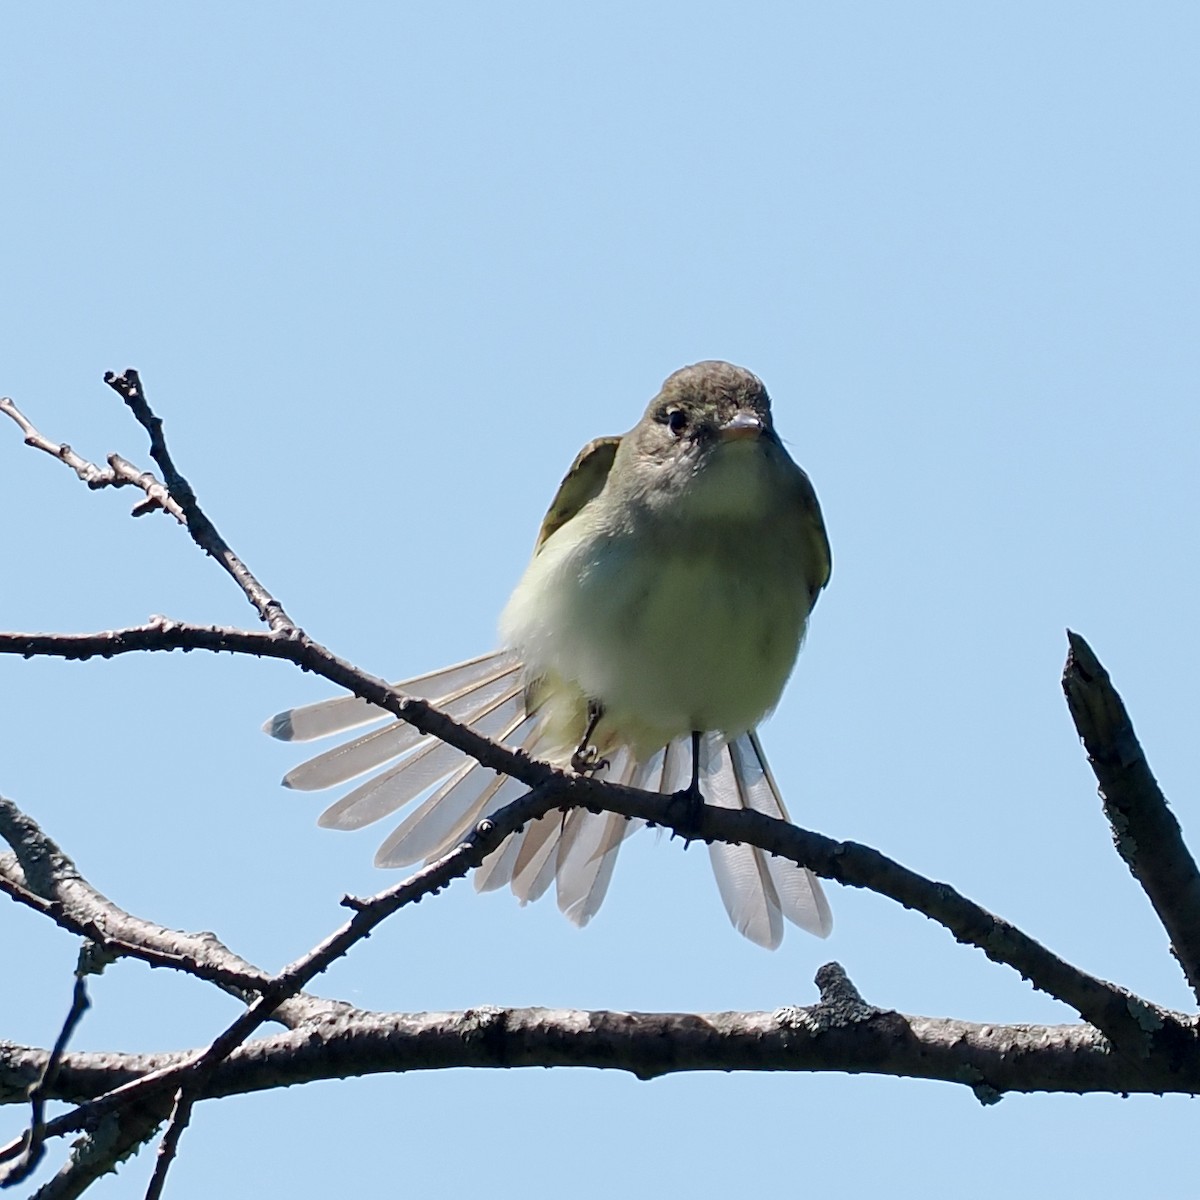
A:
[991,1059]
[1145,832]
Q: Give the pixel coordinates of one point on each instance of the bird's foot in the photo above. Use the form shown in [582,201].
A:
[587,761]
[687,811]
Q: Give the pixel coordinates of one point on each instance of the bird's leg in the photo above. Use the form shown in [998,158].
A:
[693,801]
[586,759]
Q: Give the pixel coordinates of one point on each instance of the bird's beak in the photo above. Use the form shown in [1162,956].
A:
[741,425]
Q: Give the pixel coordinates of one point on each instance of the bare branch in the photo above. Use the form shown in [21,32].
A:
[118,474]
[204,533]
[181,1115]
[71,902]
[1144,1033]
[35,1136]
[840,1033]
[98,1153]
[1145,832]
[193,1074]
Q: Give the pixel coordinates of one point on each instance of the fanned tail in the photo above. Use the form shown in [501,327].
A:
[576,850]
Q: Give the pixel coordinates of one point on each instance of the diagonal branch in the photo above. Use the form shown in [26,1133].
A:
[34,1138]
[192,1075]
[40,876]
[1146,834]
[204,533]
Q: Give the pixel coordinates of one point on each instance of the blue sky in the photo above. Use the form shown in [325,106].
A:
[384,269]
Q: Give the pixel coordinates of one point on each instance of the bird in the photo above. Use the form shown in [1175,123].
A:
[654,628]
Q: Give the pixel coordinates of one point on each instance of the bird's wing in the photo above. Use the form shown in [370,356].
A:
[819,555]
[583,482]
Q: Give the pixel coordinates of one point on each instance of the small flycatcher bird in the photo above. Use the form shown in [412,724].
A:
[655,626]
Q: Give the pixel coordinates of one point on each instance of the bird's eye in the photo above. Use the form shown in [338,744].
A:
[675,420]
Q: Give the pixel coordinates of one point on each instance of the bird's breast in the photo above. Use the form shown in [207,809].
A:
[668,632]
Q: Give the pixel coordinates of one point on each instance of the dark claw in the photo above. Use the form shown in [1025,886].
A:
[585,761]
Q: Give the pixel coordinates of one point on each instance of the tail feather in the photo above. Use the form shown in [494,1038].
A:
[344,713]
[426,766]
[541,882]
[587,852]
[534,866]
[801,896]
[742,876]
[343,763]
[443,820]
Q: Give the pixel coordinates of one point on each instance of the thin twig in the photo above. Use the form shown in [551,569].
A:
[128,386]
[1145,832]
[181,1115]
[119,472]
[35,1136]
[95,1155]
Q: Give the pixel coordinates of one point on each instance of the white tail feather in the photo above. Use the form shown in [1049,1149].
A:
[344,762]
[443,820]
[429,764]
[344,713]
[538,854]
[801,896]
[742,877]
